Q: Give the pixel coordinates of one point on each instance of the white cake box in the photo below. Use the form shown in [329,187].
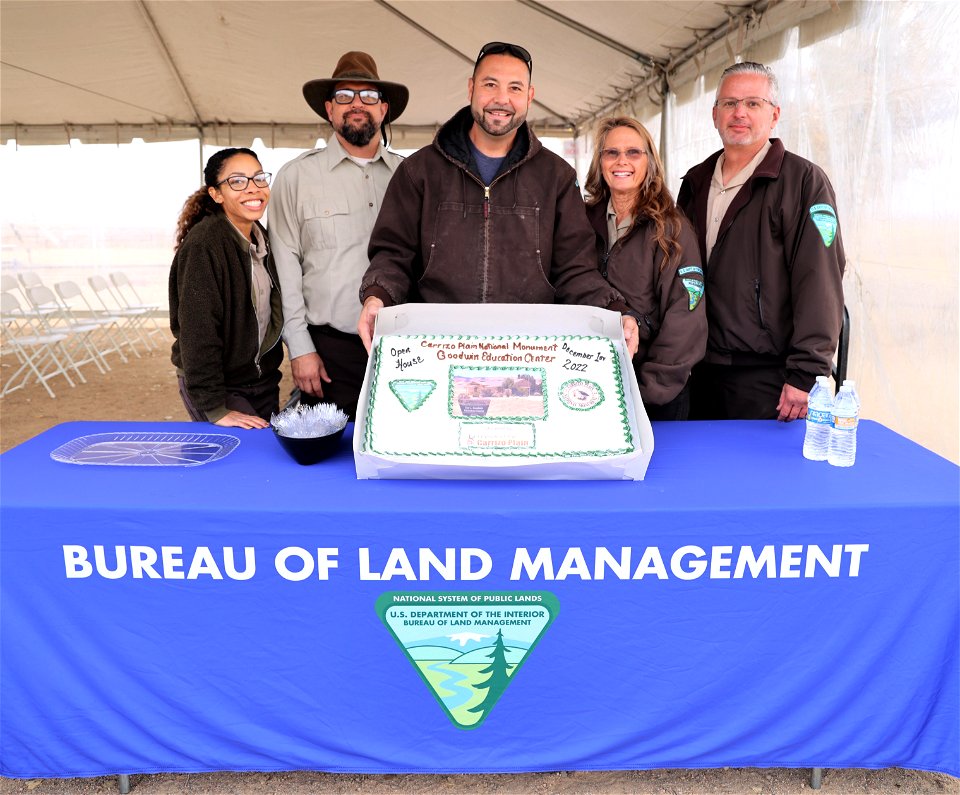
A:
[444,435]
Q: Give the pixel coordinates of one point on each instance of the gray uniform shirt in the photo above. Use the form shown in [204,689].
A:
[322,209]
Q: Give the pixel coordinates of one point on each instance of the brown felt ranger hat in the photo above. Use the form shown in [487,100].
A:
[356,67]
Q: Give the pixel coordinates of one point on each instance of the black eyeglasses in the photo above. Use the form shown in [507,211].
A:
[500,47]
[368,96]
[239,182]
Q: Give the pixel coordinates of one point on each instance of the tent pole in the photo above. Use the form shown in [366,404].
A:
[576,151]
[665,127]
[200,152]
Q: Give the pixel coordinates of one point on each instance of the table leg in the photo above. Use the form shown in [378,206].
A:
[816,776]
[123,781]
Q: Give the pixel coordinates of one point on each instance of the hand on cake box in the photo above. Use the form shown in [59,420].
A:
[368,320]
[631,334]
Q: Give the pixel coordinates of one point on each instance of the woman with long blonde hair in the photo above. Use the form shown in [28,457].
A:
[647,249]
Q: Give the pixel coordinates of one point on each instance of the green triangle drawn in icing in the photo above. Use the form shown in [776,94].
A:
[467,647]
[412,393]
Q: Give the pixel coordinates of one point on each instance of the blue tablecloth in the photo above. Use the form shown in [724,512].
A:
[741,606]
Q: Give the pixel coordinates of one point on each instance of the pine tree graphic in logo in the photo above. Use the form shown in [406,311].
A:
[467,646]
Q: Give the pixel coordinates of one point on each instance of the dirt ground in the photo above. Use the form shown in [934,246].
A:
[145,390]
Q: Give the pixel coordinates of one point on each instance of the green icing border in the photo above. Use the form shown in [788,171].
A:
[629,445]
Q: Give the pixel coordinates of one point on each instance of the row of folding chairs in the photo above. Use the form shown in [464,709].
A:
[53,333]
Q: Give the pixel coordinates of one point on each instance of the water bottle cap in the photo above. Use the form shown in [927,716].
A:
[846,387]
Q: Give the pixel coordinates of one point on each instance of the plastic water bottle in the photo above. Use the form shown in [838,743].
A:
[853,385]
[843,437]
[819,420]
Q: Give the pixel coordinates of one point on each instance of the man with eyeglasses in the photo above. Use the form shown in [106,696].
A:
[769,236]
[486,214]
[324,205]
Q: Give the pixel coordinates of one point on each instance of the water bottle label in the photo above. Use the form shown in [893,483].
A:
[844,423]
[820,416]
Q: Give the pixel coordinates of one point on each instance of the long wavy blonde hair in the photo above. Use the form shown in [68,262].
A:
[653,200]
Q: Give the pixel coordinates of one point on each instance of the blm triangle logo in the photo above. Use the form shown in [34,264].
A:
[467,646]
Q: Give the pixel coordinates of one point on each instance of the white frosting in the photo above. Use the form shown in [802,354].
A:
[497,397]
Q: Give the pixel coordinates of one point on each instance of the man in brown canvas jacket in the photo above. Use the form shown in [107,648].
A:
[773,257]
[486,214]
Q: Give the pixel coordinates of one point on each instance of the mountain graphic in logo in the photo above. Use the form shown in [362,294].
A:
[467,646]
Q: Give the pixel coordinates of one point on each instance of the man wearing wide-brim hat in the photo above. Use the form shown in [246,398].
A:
[323,207]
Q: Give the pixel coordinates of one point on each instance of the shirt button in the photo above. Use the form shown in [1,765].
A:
[371,204]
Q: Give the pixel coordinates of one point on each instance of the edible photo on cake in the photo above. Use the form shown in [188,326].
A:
[501,393]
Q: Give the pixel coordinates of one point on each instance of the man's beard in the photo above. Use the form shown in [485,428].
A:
[478,116]
[358,135]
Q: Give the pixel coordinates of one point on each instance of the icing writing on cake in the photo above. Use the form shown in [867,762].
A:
[514,397]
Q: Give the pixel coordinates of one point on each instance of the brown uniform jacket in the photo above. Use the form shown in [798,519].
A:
[667,297]
[774,276]
[442,236]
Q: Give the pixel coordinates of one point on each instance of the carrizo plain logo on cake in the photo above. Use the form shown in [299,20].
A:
[467,646]
[580,394]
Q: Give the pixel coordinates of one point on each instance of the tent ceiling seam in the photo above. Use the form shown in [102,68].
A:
[74,86]
[648,60]
[738,16]
[462,56]
[165,52]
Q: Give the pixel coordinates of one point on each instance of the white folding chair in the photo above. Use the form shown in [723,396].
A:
[134,318]
[110,337]
[80,336]
[40,355]
[127,292]
[121,324]
[128,296]
[18,284]
[28,279]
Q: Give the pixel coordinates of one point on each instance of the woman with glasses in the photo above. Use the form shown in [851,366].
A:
[225,311]
[647,249]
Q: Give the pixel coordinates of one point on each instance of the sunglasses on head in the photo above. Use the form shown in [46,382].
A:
[500,47]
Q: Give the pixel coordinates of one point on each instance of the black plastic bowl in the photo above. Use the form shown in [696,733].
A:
[312,450]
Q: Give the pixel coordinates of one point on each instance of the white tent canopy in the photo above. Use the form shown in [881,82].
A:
[869,91]
[229,71]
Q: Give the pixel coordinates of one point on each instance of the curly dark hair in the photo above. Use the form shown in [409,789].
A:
[200,204]
[653,200]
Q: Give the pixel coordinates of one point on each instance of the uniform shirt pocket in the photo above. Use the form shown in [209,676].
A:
[324,221]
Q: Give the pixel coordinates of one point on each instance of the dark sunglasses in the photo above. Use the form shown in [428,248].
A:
[500,47]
